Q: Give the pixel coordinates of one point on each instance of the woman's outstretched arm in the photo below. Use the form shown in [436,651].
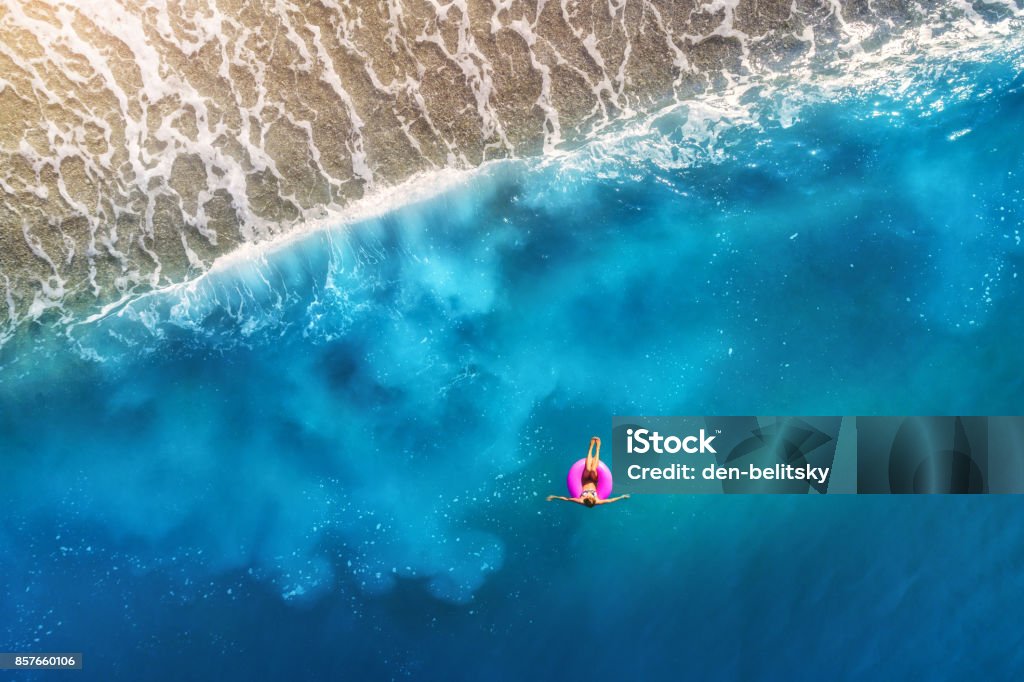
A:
[564,499]
[613,499]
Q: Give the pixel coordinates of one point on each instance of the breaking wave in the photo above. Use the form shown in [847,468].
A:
[144,141]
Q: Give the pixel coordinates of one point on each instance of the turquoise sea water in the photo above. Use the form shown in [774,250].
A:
[328,460]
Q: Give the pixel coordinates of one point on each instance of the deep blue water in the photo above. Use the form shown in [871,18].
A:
[329,461]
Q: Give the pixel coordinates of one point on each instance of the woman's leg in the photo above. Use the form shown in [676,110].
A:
[593,457]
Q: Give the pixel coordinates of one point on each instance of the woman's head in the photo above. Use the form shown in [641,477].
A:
[589,500]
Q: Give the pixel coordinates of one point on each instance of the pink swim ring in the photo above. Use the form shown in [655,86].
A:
[574,481]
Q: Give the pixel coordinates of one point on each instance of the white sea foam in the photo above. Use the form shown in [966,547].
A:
[751,97]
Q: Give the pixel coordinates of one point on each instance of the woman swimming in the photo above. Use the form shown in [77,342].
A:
[588,497]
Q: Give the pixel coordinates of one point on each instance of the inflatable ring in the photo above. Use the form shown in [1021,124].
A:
[574,481]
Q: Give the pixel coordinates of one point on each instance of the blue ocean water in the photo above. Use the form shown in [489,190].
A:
[328,460]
